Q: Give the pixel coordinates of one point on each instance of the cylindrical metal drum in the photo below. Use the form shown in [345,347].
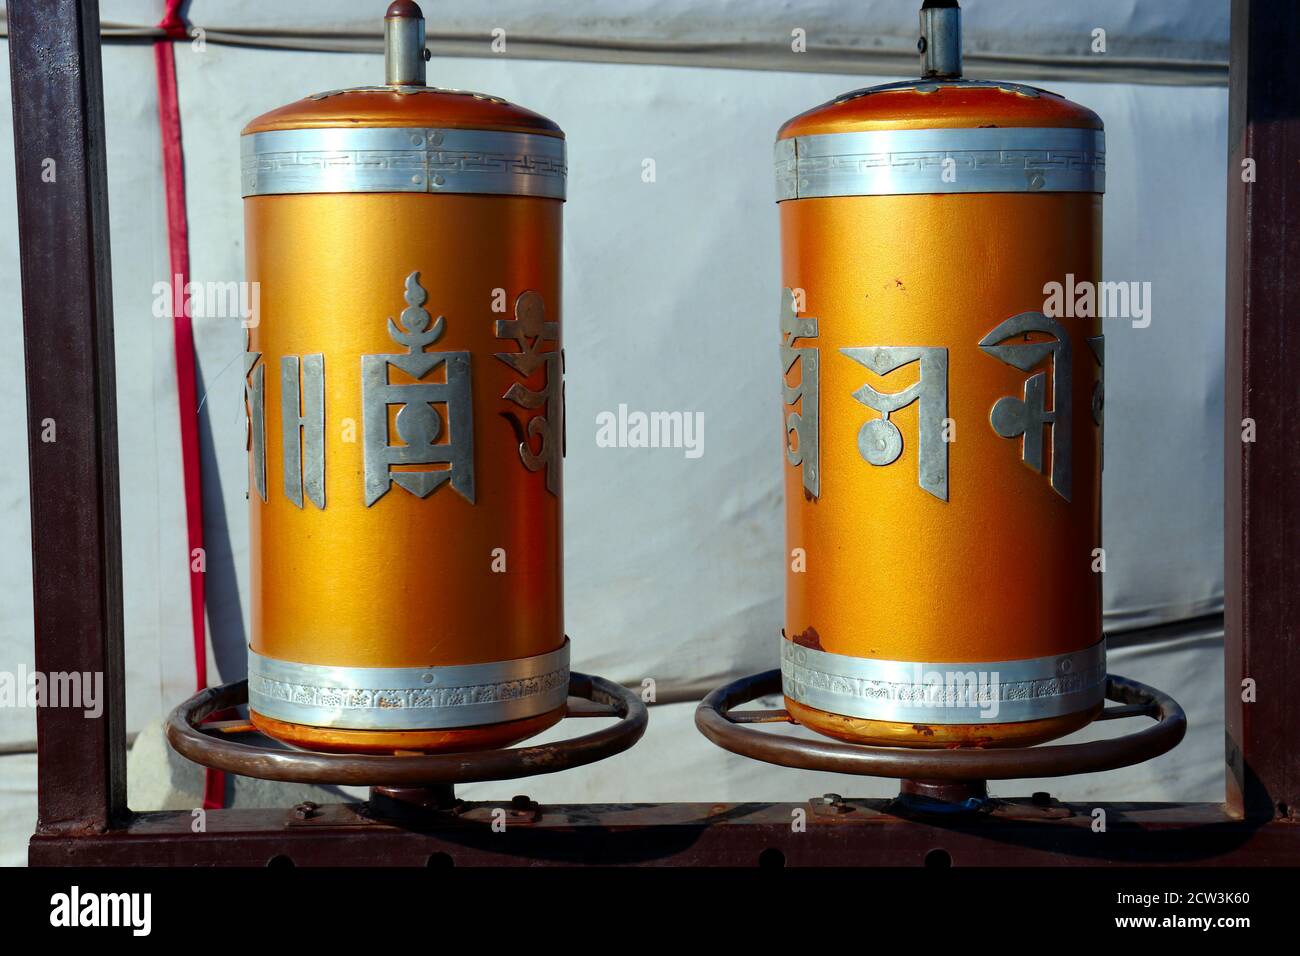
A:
[943,409]
[405,402]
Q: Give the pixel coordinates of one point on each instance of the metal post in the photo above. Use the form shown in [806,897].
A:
[940,43]
[404,50]
[71,403]
[1262,441]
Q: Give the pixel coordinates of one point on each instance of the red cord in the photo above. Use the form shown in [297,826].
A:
[178,245]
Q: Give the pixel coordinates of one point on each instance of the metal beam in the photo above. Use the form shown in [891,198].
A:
[1262,440]
[858,833]
[58,115]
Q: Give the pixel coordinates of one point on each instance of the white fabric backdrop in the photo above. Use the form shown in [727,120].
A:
[1194,30]
[673,566]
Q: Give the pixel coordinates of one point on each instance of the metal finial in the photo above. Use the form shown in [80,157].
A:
[404,50]
[940,43]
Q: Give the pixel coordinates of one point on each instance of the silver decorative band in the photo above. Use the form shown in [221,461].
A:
[408,698]
[902,162]
[402,160]
[996,692]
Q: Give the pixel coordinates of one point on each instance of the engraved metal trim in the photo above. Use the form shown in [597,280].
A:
[408,698]
[944,693]
[404,160]
[907,162]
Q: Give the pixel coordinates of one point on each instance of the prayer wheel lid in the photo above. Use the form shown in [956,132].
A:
[396,107]
[941,98]
[941,104]
[404,99]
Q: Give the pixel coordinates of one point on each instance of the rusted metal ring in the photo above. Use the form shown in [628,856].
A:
[424,770]
[714,719]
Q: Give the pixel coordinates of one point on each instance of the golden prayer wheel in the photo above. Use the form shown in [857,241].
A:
[405,401]
[943,409]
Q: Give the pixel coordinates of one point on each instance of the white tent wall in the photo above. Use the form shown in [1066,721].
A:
[673,565]
[1171,28]
[1186,32]
[155,577]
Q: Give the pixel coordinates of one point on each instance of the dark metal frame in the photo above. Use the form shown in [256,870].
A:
[68,333]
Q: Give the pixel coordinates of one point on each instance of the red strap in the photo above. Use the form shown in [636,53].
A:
[178,246]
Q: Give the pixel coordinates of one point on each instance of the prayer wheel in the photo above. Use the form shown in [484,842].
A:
[942,409]
[405,408]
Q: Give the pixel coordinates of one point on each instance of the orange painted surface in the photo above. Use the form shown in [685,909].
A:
[406,582]
[939,736]
[1002,570]
[333,740]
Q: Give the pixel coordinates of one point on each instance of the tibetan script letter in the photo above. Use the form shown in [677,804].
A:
[1025,418]
[255,418]
[802,425]
[530,330]
[1098,345]
[303,431]
[879,440]
[418,424]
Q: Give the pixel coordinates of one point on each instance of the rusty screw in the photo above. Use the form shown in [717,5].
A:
[305,810]
[831,803]
[522,805]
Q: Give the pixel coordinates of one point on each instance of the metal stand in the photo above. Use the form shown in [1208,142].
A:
[940,780]
[409,786]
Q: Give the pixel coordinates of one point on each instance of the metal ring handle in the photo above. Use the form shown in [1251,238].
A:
[714,720]
[369,770]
